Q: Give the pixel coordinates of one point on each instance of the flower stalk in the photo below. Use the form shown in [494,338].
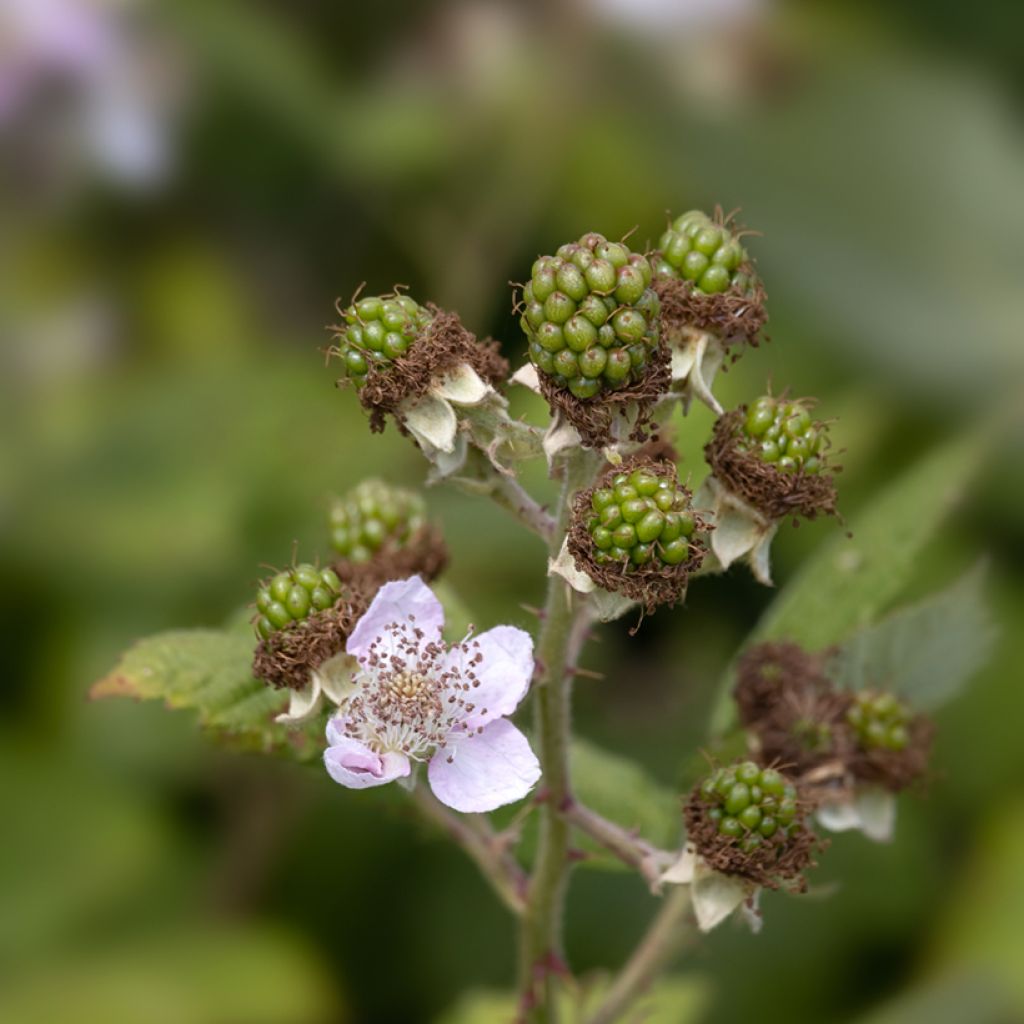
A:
[541,947]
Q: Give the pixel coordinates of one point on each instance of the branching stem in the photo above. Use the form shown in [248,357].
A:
[484,846]
[668,933]
[542,954]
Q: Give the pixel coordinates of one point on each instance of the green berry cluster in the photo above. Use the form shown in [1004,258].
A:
[639,518]
[782,433]
[879,721]
[378,329]
[294,594]
[706,253]
[750,804]
[372,514]
[591,316]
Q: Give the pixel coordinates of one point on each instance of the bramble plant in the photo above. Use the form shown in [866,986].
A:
[352,669]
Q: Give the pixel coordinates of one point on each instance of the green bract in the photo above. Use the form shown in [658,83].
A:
[704,252]
[378,329]
[293,595]
[591,316]
[371,515]
[880,721]
[640,517]
[782,433]
[750,804]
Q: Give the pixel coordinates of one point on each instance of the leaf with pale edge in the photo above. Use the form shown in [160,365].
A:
[851,580]
[926,652]
[210,672]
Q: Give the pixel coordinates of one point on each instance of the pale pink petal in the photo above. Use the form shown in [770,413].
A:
[477,772]
[502,677]
[410,602]
[354,765]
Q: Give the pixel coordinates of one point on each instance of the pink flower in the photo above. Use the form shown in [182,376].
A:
[414,698]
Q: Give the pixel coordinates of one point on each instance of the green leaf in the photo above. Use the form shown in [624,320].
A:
[207,974]
[620,790]
[926,652]
[209,671]
[851,580]
[672,1000]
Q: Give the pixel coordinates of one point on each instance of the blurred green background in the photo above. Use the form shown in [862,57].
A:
[186,187]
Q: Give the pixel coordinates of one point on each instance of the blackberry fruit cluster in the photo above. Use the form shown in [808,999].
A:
[372,515]
[750,805]
[378,329]
[641,517]
[782,433]
[293,595]
[880,721]
[591,316]
[707,254]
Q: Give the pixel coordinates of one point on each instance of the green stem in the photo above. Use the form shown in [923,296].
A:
[541,953]
[667,934]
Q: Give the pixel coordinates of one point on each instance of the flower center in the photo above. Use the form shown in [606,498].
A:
[411,693]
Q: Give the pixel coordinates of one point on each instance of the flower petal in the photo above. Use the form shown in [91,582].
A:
[463,385]
[334,677]
[302,704]
[431,420]
[503,676]
[483,770]
[354,765]
[526,376]
[408,601]
[734,535]
[565,566]
[716,896]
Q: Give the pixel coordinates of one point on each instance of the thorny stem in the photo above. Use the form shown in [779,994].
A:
[484,846]
[633,851]
[541,952]
[479,476]
[667,934]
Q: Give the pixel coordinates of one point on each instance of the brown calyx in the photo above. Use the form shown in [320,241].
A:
[423,554]
[778,861]
[733,316]
[593,417]
[896,770]
[786,700]
[442,346]
[653,584]
[286,657]
[775,495]
[799,720]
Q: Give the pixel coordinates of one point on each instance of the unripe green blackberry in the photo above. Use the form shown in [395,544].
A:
[706,253]
[635,533]
[640,517]
[293,595]
[880,721]
[748,820]
[750,804]
[781,432]
[378,329]
[591,316]
[371,516]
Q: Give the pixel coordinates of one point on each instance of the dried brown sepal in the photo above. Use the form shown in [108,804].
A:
[896,770]
[423,554]
[775,495]
[442,346]
[778,862]
[285,659]
[787,701]
[594,417]
[651,585]
[734,316]
[799,719]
